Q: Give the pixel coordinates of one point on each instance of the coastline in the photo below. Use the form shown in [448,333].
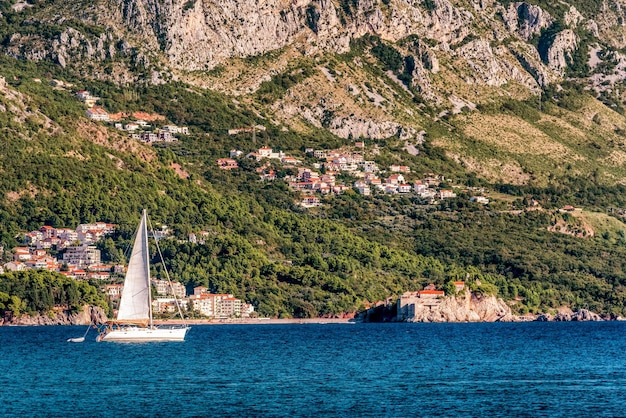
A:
[95,315]
[256,321]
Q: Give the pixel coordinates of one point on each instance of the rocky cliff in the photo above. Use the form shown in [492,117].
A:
[89,315]
[201,34]
[472,307]
[379,69]
[468,307]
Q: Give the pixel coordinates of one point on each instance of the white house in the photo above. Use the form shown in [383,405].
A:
[176,289]
[97,113]
[15,266]
[479,199]
[395,179]
[369,166]
[85,255]
[446,194]
[362,188]
[419,187]
[87,98]
[391,188]
[310,201]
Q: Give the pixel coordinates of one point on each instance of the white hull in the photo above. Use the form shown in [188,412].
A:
[136,334]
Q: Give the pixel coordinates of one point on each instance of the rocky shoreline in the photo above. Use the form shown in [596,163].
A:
[473,307]
[88,315]
[481,309]
[582,315]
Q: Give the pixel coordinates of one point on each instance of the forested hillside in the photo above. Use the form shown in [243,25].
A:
[35,292]
[519,102]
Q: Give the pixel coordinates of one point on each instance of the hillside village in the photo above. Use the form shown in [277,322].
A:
[73,253]
[315,181]
[321,178]
[135,123]
[79,257]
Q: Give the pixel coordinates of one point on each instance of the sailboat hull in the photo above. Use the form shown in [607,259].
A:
[136,334]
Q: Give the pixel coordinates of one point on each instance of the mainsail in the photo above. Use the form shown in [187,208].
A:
[135,301]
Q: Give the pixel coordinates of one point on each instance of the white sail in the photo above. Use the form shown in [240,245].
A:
[134,318]
[135,301]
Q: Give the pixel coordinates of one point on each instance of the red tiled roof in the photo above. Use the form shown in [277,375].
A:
[431,292]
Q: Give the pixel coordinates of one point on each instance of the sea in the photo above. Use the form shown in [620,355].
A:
[555,369]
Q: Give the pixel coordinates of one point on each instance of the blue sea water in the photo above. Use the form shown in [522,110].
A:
[351,370]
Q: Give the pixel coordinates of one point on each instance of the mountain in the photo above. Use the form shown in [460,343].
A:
[376,69]
[522,98]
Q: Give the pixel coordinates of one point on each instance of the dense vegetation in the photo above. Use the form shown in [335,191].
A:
[61,170]
[546,269]
[36,292]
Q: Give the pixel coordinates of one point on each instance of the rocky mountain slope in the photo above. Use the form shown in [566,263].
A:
[488,42]
[369,68]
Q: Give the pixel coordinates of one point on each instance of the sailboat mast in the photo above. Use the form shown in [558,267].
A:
[147,261]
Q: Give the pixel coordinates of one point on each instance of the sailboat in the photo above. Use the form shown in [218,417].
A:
[134,318]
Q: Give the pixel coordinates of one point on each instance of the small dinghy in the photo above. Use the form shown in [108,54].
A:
[79,339]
